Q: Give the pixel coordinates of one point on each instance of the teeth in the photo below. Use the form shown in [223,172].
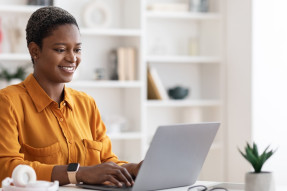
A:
[67,68]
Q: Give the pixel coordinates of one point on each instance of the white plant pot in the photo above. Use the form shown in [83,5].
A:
[259,181]
[14,81]
[3,83]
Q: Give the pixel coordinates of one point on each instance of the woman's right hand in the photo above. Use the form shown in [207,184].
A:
[103,173]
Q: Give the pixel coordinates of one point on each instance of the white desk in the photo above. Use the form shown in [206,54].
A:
[229,186]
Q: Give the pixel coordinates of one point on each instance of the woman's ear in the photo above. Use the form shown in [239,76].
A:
[34,50]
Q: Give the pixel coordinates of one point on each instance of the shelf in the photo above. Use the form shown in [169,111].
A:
[183,15]
[27,9]
[15,57]
[183,103]
[104,84]
[183,59]
[125,136]
[111,32]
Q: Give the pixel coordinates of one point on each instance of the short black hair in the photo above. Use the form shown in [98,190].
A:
[44,20]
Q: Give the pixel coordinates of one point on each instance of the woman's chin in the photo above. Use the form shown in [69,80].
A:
[67,80]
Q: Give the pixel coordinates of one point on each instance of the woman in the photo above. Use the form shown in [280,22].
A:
[49,126]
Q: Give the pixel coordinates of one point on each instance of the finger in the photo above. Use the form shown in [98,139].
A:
[114,181]
[108,183]
[122,174]
[127,175]
[119,175]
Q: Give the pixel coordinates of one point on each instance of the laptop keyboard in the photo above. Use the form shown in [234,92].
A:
[105,187]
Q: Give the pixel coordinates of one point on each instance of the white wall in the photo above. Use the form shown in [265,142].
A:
[269,99]
[238,111]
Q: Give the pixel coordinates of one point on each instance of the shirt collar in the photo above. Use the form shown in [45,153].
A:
[67,98]
[39,97]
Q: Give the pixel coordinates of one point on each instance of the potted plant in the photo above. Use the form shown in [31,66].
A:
[13,77]
[258,180]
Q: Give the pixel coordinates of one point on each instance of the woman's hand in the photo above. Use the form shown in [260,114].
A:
[105,172]
[133,168]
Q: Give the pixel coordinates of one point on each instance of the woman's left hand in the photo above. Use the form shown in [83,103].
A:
[133,168]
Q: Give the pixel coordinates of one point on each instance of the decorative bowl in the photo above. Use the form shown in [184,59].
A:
[178,92]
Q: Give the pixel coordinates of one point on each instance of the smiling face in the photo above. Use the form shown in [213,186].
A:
[59,56]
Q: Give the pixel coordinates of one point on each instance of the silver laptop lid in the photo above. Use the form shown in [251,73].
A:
[175,156]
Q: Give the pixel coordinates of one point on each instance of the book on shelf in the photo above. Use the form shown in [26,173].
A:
[130,64]
[126,61]
[121,63]
[156,89]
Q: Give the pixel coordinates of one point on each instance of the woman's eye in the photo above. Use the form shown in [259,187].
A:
[59,50]
[78,50]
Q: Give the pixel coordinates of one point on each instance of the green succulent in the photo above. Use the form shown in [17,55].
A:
[252,156]
[19,73]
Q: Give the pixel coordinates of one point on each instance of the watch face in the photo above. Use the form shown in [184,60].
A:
[73,167]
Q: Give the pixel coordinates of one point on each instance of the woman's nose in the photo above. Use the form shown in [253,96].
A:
[71,57]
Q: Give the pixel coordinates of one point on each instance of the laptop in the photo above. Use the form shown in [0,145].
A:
[174,158]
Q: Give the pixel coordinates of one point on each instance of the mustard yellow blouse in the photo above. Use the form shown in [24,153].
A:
[35,131]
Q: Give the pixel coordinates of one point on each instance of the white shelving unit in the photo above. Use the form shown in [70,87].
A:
[184,103]
[17,9]
[184,15]
[111,32]
[184,59]
[104,84]
[126,136]
[169,36]
[133,25]
[14,57]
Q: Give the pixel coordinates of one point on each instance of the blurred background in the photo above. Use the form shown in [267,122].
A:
[154,62]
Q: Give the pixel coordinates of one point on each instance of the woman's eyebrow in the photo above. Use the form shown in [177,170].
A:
[61,43]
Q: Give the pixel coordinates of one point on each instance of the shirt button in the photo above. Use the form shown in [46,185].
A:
[64,103]
[61,119]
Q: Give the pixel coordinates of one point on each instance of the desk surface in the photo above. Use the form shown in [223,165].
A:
[229,186]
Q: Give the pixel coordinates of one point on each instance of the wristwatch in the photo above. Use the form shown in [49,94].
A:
[72,171]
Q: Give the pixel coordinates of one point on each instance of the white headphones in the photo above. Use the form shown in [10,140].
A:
[24,179]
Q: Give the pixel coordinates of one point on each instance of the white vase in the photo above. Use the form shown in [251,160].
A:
[14,81]
[3,83]
[259,181]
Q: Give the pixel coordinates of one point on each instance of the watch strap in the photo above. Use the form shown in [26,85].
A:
[72,172]
[72,177]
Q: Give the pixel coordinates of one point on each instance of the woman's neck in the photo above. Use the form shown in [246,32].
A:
[54,90]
